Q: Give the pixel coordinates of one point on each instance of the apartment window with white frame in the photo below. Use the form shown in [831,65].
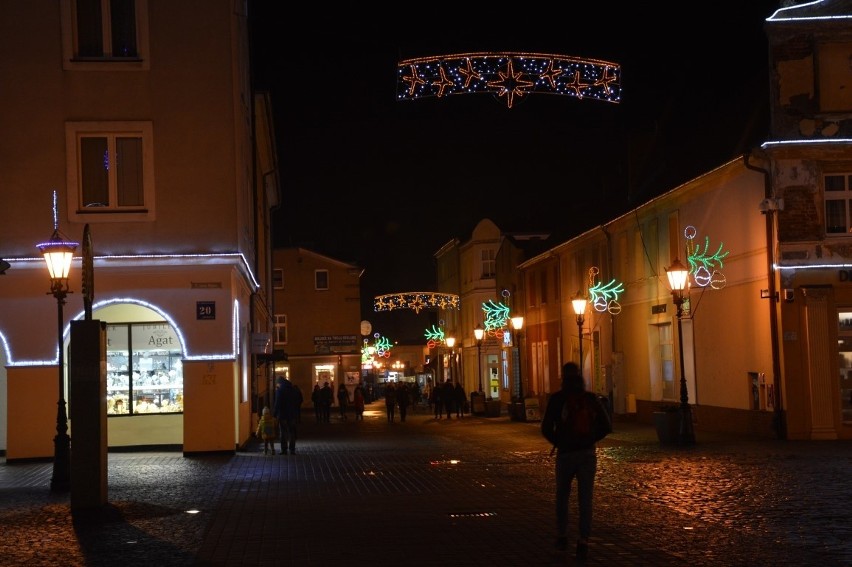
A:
[277,278]
[96,33]
[321,280]
[110,171]
[280,329]
[489,264]
[838,198]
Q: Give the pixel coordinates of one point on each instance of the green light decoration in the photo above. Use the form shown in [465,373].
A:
[434,335]
[416,301]
[383,345]
[496,315]
[604,297]
[702,265]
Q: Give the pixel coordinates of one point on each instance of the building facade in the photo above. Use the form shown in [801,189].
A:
[136,120]
[317,320]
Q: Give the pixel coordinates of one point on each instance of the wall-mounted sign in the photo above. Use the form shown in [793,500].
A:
[205,310]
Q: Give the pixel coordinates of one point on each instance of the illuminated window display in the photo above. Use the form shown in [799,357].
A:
[144,370]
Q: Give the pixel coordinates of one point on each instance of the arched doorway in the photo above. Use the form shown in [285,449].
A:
[144,358]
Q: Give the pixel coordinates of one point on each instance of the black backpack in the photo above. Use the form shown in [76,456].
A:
[580,423]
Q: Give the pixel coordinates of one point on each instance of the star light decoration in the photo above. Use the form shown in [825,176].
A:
[416,300]
[509,75]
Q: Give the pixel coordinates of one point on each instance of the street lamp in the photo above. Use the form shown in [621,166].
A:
[451,342]
[579,303]
[58,254]
[518,325]
[479,332]
[678,280]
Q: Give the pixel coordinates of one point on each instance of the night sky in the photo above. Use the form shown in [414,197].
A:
[384,183]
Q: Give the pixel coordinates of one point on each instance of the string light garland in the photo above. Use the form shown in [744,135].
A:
[509,75]
[416,301]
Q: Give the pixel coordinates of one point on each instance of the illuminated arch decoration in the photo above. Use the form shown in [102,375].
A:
[512,75]
[702,264]
[416,300]
[604,297]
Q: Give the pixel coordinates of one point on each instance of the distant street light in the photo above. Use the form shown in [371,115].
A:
[479,332]
[678,280]
[451,342]
[518,325]
[579,303]
[58,254]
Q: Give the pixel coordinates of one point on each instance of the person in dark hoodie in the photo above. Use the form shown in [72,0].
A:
[288,402]
[574,421]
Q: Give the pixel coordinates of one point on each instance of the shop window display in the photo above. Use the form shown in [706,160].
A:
[144,370]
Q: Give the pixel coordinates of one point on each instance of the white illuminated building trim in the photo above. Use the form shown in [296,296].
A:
[165,259]
[776,17]
[765,145]
[124,300]
[798,267]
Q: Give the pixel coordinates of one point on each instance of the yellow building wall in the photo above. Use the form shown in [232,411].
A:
[209,406]
[33,394]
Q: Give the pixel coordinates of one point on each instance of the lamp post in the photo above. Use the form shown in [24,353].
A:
[579,303]
[518,325]
[58,254]
[678,280]
[451,342]
[479,332]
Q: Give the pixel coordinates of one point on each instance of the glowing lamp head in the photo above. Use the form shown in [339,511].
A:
[451,341]
[579,303]
[678,276]
[479,332]
[518,322]
[58,254]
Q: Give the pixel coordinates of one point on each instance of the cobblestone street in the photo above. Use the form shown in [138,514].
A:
[471,491]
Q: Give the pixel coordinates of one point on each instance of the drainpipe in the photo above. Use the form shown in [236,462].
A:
[779,423]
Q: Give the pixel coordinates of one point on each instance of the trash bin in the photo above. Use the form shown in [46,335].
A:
[477,403]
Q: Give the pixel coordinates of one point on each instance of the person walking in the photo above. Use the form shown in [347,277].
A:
[266,430]
[459,396]
[359,403]
[437,400]
[326,397]
[342,400]
[403,399]
[390,401]
[315,399]
[300,399]
[448,397]
[574,421]
[288,400]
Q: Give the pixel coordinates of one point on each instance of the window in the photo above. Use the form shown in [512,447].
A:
[838,194]
[277,278]
[144,369]
[489,265]
[280,329]
[321,279]
[110,171]
[96,33]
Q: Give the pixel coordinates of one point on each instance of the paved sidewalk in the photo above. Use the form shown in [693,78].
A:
[450,492]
